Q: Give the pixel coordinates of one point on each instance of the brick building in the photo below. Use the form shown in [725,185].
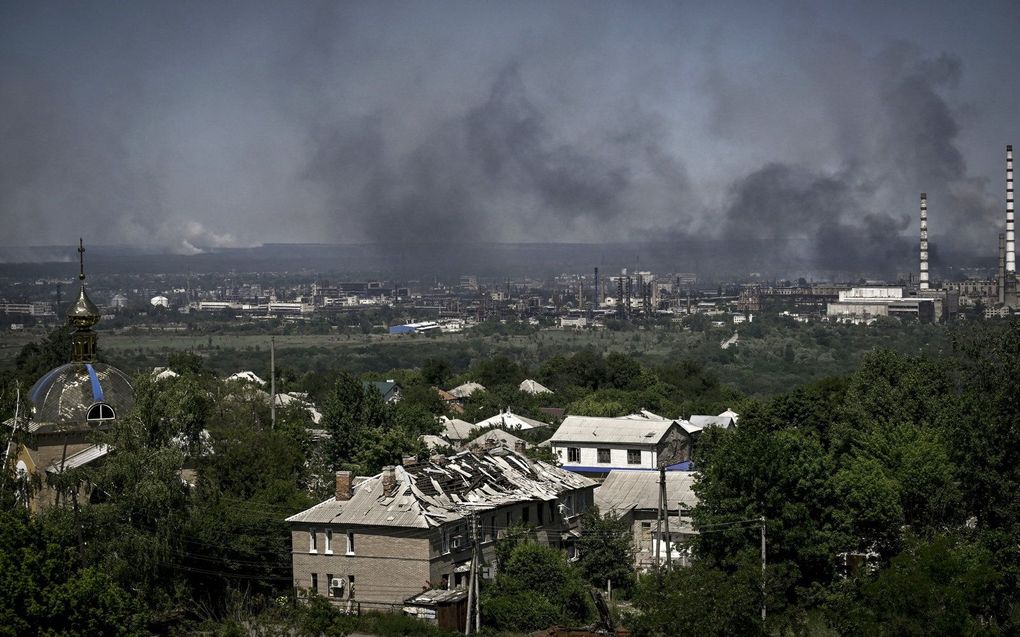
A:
[389,537]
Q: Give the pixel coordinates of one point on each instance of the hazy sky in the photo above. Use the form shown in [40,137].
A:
[810,125]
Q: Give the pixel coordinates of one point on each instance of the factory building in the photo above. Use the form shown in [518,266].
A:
[864,304]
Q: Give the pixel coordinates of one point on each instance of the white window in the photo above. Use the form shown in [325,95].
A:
[312,547]
[573,454]
[328,549]
[350,542]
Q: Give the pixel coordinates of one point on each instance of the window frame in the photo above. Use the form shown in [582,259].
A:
[573,454]
[608,454]
[328,545]
[98,408]
[350,543]
[631,453]
[313,545]
[315,582]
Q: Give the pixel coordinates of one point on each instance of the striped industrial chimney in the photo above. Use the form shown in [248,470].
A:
[923,280]
[1000,279]
[1010,239]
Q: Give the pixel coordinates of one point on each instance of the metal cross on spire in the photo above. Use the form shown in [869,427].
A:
[81,260]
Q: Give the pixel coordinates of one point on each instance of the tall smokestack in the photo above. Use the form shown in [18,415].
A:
[1001,278]
[923,280]
[1010,239]
[598,293]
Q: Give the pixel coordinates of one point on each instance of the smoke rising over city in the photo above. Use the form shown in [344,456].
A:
[799,135]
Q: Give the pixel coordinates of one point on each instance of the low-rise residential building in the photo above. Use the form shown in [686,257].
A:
[388,389]
[595,446]
[634,497]
[409,529]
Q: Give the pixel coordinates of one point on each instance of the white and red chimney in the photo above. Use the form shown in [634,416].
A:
[923,280]
[1010,238]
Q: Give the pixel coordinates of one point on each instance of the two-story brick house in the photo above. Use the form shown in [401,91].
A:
[408,529]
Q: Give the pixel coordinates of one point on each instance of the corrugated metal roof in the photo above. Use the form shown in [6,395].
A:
[455,428]
[626,490]
[626,430]
[533,387]
[438,596]
[511,420]
[79,459]
[499,437]
[430,494]
[465,390]
[711,421]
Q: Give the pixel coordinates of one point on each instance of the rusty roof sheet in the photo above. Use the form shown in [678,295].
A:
[433,493]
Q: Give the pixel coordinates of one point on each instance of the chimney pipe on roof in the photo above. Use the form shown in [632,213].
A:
[923,280]
[344,486]
[389,481]
[1010,238]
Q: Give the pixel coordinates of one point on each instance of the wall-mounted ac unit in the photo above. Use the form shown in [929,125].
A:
[339,587]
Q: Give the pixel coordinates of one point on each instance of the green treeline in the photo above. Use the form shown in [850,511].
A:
[889,497]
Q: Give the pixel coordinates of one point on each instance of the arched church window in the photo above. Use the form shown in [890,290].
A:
[100,411]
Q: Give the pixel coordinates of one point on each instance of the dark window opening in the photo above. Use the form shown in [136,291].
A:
[573,454]
[100,411]
[603,456]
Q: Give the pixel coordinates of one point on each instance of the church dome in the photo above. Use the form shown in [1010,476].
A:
[80,393]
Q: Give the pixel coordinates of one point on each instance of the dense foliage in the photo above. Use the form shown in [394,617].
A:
[888,494]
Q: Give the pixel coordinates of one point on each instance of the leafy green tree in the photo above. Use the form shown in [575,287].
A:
[941,587]
[534,588]
[436,372]
[349,411]
[700,601]
[47,591]
[869,509]
[785,476]
[606,549]
[592,406]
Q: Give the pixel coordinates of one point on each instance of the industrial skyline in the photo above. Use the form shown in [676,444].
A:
[796,134]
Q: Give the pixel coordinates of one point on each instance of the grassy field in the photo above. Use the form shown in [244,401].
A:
[768,358]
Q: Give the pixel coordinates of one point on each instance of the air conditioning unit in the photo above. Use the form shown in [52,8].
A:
[339,586]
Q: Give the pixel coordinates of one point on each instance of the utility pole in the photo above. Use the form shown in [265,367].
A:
[272,382]
[658,527]
[763,568]
[472,604]
[665,514]
[478,578]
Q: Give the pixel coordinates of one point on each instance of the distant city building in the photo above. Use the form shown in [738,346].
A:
[864,304]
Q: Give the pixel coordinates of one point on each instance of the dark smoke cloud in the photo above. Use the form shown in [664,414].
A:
[800,143]
[495,171]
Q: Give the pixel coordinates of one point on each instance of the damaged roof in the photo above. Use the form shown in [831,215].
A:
[624,490]
[433,493]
